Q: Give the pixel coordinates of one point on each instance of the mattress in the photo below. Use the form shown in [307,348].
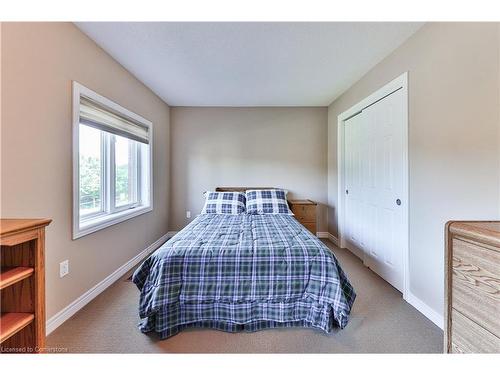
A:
[242,273]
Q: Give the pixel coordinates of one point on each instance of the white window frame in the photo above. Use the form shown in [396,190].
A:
[110,214]
[136,190]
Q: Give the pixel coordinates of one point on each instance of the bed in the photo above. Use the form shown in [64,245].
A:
[242,273]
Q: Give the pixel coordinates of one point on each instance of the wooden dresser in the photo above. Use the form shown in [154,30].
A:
[22,285]
[472,287]
[305,212]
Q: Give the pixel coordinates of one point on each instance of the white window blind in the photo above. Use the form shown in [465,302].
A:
[95,115]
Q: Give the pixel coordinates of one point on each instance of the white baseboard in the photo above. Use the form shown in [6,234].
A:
[427,311]
[66,313]
[328,235]
[172,233]
[334,239]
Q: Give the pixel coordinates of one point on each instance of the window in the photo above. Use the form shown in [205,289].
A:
[111,161]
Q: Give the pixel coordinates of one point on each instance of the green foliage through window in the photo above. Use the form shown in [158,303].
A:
[90,182]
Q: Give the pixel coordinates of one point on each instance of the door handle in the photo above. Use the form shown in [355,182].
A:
[347,191]
[398,202]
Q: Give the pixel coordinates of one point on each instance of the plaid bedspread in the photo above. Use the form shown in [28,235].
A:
[242,273]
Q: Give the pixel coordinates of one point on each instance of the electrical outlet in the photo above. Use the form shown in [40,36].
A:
[63,268]
[188,214]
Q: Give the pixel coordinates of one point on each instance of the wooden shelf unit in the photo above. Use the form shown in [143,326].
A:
[22,285]
[11,323]
[11,275]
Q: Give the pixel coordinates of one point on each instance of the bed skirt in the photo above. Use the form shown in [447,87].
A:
[241,317]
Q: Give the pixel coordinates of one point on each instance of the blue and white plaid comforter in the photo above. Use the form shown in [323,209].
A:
[242,273]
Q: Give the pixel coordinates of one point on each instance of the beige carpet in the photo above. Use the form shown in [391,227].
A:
[380,322]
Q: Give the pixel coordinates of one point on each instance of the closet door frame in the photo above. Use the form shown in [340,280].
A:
[399,83]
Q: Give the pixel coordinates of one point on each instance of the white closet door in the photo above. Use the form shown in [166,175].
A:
[374,182]
[355,165]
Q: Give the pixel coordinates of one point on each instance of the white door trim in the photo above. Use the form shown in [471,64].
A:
[399,83]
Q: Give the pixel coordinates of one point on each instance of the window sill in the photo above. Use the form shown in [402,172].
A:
[96,224]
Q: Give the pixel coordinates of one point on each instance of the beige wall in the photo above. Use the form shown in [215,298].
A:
[454,83]
[39,61]
[453,138]
[277,147]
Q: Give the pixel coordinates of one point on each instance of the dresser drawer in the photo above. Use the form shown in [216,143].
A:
[304,213]
[476,283]
[469,337]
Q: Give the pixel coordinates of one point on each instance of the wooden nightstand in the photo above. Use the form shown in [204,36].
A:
[305,212]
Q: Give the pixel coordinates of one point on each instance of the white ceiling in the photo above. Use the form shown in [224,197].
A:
[248,64]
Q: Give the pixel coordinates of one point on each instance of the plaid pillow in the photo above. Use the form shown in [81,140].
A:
[267,202]
[232,203]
